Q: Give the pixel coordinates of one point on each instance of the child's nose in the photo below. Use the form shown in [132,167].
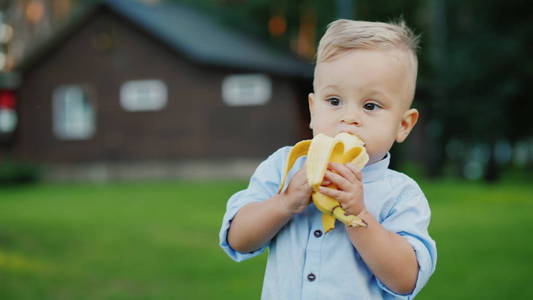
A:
[350,122]
[351,119]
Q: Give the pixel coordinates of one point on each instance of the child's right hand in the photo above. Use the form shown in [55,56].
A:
[297,196]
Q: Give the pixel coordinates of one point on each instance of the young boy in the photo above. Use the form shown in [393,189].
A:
[364,84]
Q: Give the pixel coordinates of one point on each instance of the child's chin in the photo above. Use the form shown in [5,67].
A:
[330,134]
[375,158]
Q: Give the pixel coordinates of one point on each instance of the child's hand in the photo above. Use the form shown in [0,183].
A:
[349,192]
[297,196]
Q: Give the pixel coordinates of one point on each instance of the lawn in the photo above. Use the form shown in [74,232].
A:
[160,241]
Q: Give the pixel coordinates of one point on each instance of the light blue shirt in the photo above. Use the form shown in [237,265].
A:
[304,263]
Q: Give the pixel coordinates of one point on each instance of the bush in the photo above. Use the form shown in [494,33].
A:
[13,172]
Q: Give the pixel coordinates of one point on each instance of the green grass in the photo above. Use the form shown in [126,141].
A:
[160,241]
[484,242]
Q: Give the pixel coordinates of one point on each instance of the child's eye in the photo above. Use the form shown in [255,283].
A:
[371,106]
[334,101]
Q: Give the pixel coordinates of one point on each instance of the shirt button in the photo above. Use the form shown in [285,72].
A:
[317,233]
[311,277]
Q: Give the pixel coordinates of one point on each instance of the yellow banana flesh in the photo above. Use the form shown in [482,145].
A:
[298,150]
[328,221]
[322,149]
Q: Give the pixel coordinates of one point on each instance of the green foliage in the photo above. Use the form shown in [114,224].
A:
[160,241]
[13,172]
[486,70]
[253,16]
[518,174]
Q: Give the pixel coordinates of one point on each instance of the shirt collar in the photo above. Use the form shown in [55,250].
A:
[375,171]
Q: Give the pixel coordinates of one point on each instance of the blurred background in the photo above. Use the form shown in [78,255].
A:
[125,125]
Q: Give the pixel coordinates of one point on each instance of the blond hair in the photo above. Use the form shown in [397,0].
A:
[343,35]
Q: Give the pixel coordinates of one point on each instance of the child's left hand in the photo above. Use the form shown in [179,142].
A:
[349,182]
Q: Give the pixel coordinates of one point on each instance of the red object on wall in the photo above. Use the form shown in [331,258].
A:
[7,100]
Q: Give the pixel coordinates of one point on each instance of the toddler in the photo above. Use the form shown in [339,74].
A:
[364,84]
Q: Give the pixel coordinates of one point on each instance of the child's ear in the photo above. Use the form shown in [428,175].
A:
[311,99]
[409,119]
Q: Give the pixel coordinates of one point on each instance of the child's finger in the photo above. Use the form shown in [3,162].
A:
[355,171]
[344,171]
[333,193]
[341,182]
[326,181]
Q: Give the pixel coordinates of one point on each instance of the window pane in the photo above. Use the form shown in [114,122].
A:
[73,114]
[143,95]
[246,89]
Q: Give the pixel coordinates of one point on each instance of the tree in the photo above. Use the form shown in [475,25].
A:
[481,81]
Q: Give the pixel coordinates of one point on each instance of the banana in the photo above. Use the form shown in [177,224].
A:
[322,149]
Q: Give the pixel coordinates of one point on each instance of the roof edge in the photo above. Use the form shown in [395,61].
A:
[44,47]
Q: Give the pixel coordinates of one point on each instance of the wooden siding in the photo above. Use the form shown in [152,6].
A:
[194,124]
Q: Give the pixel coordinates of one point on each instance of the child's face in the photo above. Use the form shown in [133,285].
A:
[366,93]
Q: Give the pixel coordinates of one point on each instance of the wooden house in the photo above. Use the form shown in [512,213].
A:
[158,86]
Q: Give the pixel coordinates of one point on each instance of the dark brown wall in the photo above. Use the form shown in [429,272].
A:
[194,124]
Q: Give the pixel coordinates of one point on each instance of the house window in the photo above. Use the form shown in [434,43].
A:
[246,89]
[73,114]
[8,120]
[143,95]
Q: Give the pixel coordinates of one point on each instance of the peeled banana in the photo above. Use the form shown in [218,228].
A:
[322,149]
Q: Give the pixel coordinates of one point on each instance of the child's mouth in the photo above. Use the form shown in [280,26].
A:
[354,134]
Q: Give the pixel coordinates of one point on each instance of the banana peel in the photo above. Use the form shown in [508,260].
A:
[322,149]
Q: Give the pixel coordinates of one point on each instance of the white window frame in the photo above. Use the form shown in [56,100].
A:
[246,89]
[143,95]
[73,114]
[8,120]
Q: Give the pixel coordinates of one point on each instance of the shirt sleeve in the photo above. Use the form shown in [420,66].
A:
[263,185]
[409,217]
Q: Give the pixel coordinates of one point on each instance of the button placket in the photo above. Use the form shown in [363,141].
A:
[311,284]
